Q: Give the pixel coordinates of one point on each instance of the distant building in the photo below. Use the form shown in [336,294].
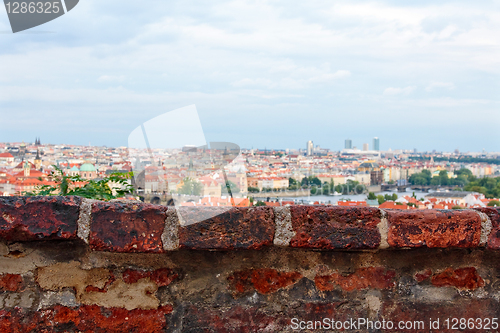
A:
[348,144]
[373,169]
[310,148]
[6,157]
[189,149]
[38,160]
[365,147]
[461,198]
[376,144]
[86,171]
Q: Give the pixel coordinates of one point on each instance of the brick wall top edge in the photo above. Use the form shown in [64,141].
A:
[130,226]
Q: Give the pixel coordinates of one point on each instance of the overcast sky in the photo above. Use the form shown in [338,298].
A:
[272,74]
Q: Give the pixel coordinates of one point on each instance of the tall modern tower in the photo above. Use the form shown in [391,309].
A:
[348,144]
[310,148]
[376,144]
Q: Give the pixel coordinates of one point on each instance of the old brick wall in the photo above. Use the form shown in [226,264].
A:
[75,265]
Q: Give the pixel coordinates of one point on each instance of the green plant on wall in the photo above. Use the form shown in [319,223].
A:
[113,186]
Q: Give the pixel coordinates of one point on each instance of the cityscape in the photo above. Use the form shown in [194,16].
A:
[222,176]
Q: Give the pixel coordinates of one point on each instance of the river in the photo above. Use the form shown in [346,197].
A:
[335,198]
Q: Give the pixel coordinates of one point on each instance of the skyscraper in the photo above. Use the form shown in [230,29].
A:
[365,147]
[348,144]
[310,148]
[376,144]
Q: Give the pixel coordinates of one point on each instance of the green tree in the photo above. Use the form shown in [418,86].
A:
[391,197]
[305,181]
[421,178]
[314,189]
[113,186]
[372,196]
[260,203]
[464,172]
[493,203]
[325,189]
[488,186]
[380,199]
[191,187]
[314,181]
[253,189]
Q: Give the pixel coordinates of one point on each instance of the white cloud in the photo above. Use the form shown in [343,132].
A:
[111,78]
[437,85]
[254,55]
[399,91]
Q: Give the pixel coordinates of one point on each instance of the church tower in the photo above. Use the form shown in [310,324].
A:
[38,160]
[191,172]
[26,169]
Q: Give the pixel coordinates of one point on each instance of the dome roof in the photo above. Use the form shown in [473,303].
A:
[87,167]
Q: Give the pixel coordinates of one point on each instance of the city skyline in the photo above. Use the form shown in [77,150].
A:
[270,148]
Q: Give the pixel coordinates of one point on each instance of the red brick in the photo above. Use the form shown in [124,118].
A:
[238,228]
[85,319]
[494,215]
[239,319]
[363,278]
[264,280]
[162,277]
[39,218]
[11,282]
[408,311]
[434,228]
[321,227]
[127,227]
[462,278]
[423,275]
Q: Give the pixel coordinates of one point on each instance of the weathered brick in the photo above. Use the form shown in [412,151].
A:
[363,278]
[237,319]
[85,319]
[238,228]
[162,277]
[127,227]
[240,319]
[11,282]
[423,275]
[264,280]
[434,228]
[494,216]
[462,278]
[38,218]
[321,227]
[422,313]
